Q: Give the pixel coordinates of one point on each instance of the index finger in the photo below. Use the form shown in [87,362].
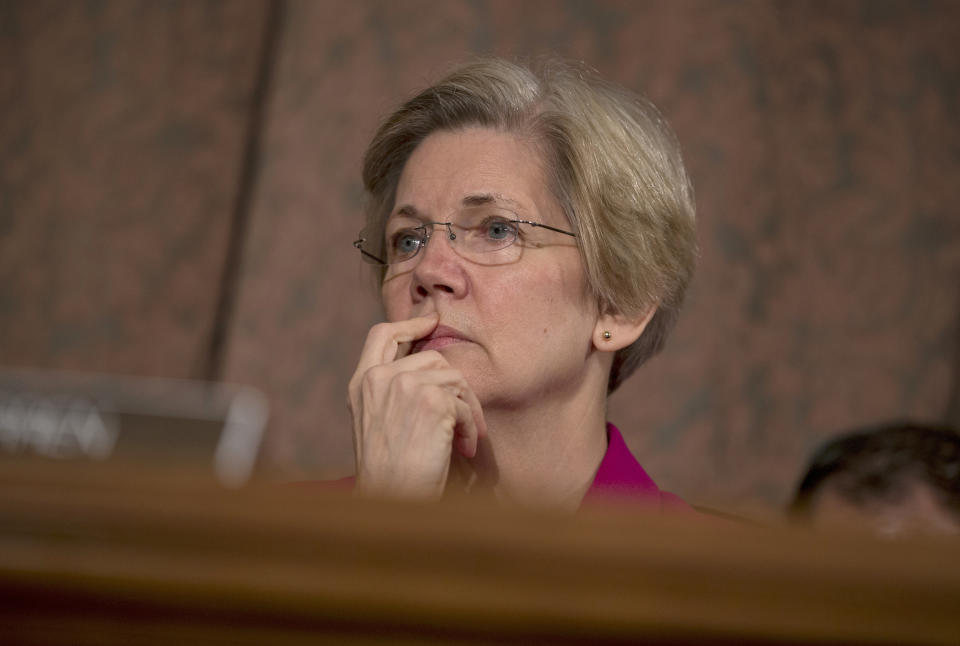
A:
[384,340]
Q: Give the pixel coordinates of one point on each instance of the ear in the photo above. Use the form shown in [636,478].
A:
[615,331]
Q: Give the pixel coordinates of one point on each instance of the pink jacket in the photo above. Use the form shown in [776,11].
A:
[620,477]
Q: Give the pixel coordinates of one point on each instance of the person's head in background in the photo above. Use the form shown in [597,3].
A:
[894,480]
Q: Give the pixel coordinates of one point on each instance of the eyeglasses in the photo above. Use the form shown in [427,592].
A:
[474,233]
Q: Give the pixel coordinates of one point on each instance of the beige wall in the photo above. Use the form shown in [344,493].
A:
[822,140]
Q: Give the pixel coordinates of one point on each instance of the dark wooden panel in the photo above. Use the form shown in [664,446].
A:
[95,555]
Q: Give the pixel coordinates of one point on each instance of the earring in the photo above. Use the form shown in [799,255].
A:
[606,334]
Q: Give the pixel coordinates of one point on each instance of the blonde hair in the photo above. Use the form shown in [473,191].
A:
[613,164]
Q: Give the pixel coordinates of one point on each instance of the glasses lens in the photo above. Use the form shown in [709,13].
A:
[486,229]
[403,244]
[475,231]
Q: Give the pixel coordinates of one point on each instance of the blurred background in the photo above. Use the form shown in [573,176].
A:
[179,190]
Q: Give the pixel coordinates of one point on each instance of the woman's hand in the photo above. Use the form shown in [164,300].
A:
[409,413]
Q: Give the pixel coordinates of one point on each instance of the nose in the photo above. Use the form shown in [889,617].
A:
[439,270]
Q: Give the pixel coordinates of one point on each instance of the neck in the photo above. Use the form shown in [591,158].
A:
[545,454]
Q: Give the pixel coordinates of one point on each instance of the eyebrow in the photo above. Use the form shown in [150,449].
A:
[475,199]
[487,198]
[408,210]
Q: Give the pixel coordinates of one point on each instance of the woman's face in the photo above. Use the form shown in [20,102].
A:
[518,323]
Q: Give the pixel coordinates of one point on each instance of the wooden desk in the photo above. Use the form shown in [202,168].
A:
[127,556]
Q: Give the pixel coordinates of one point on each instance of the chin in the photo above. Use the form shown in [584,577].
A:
[480,381]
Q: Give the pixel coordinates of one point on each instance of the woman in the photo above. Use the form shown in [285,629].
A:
[534,230]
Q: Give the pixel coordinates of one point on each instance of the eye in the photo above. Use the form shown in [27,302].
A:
[404,242]
[499,229]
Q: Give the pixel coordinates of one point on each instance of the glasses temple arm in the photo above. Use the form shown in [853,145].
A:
[547,226]
[359,245]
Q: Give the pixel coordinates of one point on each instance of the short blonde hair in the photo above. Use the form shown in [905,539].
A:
[612,161]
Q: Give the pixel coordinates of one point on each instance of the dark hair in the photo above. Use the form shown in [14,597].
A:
[880,464]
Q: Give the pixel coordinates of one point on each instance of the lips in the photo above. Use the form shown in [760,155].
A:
[441,337]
